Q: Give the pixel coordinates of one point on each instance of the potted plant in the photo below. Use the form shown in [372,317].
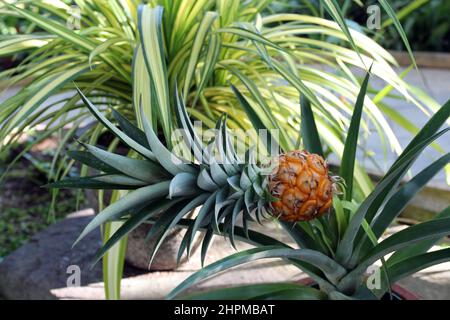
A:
[336,233]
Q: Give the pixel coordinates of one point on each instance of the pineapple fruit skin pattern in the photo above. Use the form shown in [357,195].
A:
[303,186]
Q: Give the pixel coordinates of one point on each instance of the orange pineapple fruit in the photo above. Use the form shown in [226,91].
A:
[302,185]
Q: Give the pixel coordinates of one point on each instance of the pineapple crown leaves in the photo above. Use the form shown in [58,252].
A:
[159,181]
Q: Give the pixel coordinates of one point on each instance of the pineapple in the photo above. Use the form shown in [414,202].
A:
[302,185]
[298,187]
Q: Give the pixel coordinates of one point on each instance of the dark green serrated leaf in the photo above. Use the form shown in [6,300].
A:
[351,142]
[88,159]
[308,129]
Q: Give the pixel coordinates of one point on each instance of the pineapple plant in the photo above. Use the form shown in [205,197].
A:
[336,234]
[294,186]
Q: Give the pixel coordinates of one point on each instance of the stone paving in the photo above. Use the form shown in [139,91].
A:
[437,84]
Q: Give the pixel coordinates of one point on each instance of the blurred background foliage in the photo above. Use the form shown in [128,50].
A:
[426,22]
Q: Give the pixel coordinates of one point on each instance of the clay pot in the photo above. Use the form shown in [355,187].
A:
[399,293]
[138,250]
[404,294]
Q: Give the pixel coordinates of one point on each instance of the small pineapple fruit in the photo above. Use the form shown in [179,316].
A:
[302,185]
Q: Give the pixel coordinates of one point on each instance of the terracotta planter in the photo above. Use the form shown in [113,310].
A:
[138,250]
[403,293]
[398,291]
